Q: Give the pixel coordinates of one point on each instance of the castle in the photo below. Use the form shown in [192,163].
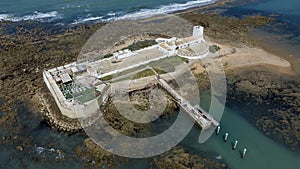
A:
[75,84]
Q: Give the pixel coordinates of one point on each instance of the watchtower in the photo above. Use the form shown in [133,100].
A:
[198,31]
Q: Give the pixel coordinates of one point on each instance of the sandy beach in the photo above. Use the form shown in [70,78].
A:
[236,56]
[251,56]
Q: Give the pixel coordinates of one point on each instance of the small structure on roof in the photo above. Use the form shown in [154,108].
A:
[123,54]
[80,68]
[65,77]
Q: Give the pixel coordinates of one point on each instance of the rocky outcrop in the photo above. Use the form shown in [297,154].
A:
[54,117]
[227,29]
[24,55]
[179,158]
[95,156]
[270,101]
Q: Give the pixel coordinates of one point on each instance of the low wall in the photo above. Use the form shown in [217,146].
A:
[54,90]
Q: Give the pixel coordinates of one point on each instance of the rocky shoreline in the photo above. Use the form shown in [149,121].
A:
[177,157]
[54,118]
[272,101]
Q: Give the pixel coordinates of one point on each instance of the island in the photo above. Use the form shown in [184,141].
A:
[78,87]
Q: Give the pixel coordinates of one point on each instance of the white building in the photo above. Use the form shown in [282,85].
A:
[123,54]
[169,46]
[198,31]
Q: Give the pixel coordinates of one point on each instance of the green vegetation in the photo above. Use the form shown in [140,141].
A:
[140,45]
[82,94]
[214,48]
[86,95]
[106,78]
[68,96]
[144,73]
[111,77]
[161,67]
[165,67]
[168,64]
[184,59]
[159,71]
[108,55]
[66,89]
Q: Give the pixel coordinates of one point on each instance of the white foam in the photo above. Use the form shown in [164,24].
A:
[87,20]
[39,150]
[4,17]
[164,9]
[110,16]
[51,150]
[111,13]
[144,13]
[35,16]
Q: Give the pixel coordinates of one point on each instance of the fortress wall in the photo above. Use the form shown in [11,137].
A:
[54,90]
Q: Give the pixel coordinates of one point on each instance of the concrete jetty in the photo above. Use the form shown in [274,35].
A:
[203,119]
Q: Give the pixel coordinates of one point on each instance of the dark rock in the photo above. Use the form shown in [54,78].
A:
[271,103]
[20,148]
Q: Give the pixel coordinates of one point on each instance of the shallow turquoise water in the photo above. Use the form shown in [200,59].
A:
[262,152]
[284,32]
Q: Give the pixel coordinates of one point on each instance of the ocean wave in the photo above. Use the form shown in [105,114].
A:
[79,21]
[111,13]
[35,16]
[164,9]
[109,16]
[144,13]
[4,16]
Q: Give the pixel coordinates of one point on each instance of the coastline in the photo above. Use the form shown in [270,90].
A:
[236,63]
[278,46]
[253,57]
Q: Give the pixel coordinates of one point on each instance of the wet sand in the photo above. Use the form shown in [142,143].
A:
[252,56]
[276,44]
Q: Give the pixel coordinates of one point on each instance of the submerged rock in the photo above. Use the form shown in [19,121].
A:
[271,102]
[20,148]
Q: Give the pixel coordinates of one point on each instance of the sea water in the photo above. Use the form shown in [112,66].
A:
[262,152]
[81,11]
[284,32]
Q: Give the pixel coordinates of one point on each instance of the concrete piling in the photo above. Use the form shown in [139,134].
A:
[218,130]
[234,144]
[225,137]
[244,153]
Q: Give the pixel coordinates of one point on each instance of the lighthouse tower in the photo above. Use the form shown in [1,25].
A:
[198,31]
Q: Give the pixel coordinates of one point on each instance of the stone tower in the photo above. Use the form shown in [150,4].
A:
[198,31]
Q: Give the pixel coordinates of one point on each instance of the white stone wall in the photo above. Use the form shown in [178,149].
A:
[58,96]
[198,31]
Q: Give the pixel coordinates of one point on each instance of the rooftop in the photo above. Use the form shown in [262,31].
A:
[165,46]
[65,77]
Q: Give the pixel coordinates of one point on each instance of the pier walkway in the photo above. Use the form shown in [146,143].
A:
[198,114]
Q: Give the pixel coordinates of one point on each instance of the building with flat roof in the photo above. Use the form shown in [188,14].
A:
[170,46]
[74,83]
